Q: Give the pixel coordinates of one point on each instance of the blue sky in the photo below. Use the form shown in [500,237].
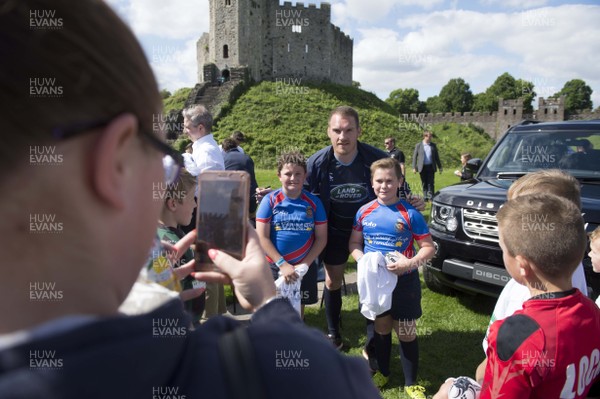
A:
[418,44]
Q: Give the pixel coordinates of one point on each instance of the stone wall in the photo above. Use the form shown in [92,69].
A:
[276,41]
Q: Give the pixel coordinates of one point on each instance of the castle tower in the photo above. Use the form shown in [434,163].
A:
[235,38]
[275,41]
[551,109]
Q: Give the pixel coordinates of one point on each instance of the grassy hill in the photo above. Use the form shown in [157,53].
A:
[278,117]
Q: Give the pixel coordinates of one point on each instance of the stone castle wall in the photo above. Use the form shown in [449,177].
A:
[276,41]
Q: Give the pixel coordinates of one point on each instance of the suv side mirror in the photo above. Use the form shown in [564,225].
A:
[474,164]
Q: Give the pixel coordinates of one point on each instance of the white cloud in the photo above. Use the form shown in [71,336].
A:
[174,67]
[374,10]
[518,4]
[548,46]
[174,19]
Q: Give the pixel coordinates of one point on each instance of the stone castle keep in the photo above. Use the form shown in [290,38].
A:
[274,42]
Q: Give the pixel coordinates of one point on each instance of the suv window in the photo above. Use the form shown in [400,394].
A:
[577,152]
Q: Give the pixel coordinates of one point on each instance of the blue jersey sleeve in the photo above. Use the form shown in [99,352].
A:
[418,224]
[265,210]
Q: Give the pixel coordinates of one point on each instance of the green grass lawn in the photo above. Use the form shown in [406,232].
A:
[450,331]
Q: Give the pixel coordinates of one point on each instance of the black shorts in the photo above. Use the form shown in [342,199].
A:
[308,286]
[336,252]
[406,298]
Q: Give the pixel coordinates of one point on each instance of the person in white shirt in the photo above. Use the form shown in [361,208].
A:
[206,155]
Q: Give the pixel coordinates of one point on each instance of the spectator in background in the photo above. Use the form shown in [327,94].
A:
[426,161]
[188,148]
[393,152]
[239,138]
[178,208]
[465,173]
[197,124]
[236,160]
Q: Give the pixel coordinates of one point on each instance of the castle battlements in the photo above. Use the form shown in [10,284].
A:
[273,40]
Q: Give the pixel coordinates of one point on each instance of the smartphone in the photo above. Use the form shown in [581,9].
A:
[222,215]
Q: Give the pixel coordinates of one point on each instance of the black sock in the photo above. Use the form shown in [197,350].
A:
[333,308]
[383,350]
[370,345]
[409,354]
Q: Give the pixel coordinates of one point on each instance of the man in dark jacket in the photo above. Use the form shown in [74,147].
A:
[426,161]
[394,152]
[236,160]
[77,229]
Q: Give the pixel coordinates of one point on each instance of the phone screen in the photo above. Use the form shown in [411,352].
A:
[222,214]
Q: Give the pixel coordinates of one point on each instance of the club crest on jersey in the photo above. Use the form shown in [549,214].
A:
[309,212]
[399,226]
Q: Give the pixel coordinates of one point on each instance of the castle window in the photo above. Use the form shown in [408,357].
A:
[555,111]
[545,111]
[225,51]
[297,28]
[289,48]
[306,48]
[227,2]
[505,111]
[514,111]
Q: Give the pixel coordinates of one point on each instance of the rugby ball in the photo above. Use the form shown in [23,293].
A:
[464,388]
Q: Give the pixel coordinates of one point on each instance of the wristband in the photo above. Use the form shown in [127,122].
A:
[280,262]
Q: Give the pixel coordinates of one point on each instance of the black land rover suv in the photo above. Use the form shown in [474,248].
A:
[463,216]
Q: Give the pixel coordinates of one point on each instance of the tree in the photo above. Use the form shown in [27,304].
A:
[434,105]
[356,84]
[578,95]
[508,88]
[164,94]
[527,92]
[485,102]
[406,101]
[456,96]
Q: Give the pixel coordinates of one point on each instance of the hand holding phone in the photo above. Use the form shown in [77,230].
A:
[222,215]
